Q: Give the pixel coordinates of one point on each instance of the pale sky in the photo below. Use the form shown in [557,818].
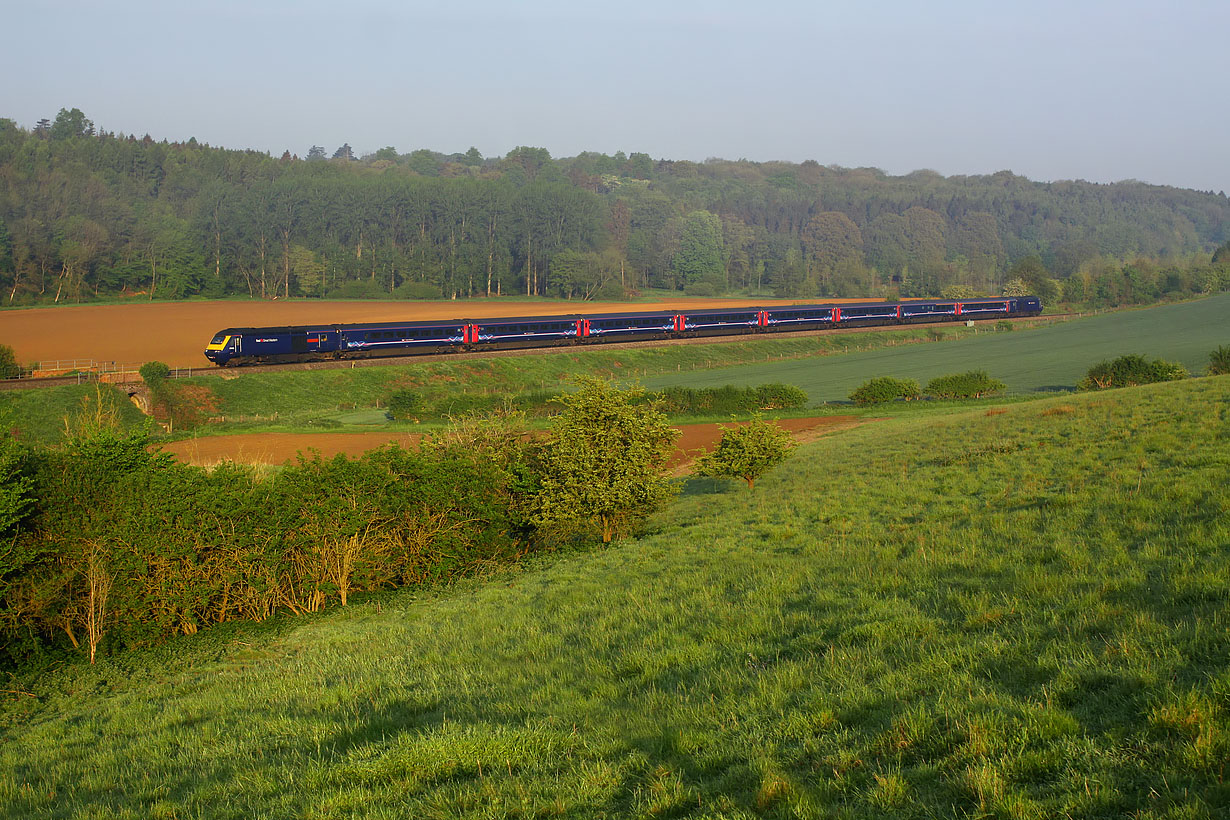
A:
[1102,91]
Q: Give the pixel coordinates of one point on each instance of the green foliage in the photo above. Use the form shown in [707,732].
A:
[154,374]
[1219,361]
[416,290]
[1221,256]
[603,461]
[405,405]
[699,257]
[973,384]
[1016,287]
[747,451]
[180,219]
[1129,371]
[729,399]
[9,368]
[885,389]
[176,548]
[15,486]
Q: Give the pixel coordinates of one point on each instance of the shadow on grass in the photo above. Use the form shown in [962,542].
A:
[694,485]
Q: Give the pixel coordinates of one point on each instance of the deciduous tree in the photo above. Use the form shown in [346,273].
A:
[747,451]
[603,463]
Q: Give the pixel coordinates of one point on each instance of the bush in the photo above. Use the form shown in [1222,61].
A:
[9,369]
[404,405]
[702,289]
[1130,370]
[416,290]
[731,400]
[1219,361]
[358,289]
[603,461]
[124,547]
[610,291]
[885,389]
[779,396]
[972,385]
[154,374]
[747,451]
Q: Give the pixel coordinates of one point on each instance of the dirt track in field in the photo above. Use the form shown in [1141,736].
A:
[176,332]
[280,448]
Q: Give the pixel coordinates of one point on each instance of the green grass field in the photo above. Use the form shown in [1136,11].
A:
[1052,357]
[1016,614]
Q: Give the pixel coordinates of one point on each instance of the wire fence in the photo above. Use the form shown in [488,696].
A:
[92,370]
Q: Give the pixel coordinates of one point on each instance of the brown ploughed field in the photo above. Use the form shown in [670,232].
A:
[176,332]
[280,448]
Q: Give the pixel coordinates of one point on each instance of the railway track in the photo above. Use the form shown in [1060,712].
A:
[86,377]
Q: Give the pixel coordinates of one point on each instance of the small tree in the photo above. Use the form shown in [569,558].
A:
[1219,361]
[9,368]
[154,374]
[885,389]
[604,460]
[747,451]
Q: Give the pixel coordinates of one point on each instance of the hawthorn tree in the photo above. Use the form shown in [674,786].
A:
[9,368]
[603,464]
[747,451]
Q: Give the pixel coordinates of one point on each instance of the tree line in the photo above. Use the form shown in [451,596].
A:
[86,213]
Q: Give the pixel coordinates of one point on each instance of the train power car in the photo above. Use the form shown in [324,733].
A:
[249,345]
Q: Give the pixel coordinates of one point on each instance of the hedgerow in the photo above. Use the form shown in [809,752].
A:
[885,389]
[730,399]
[132,547]
[1130,370]
[970,385]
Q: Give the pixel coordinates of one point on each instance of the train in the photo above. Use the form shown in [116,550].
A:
[257,345]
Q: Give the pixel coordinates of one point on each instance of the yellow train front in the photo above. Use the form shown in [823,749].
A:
[241,345]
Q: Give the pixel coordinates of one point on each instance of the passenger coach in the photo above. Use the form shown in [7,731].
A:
[245,345]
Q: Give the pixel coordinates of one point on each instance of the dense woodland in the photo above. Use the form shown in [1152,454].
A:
[88,214]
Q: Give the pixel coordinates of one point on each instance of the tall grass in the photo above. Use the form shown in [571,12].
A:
[1013,614]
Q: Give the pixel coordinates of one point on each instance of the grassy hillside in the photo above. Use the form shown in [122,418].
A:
[1046,358]
[991,614]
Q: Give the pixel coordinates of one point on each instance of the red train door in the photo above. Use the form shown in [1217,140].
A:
[681,322]
[582,328]
[762,318]
[836,315]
